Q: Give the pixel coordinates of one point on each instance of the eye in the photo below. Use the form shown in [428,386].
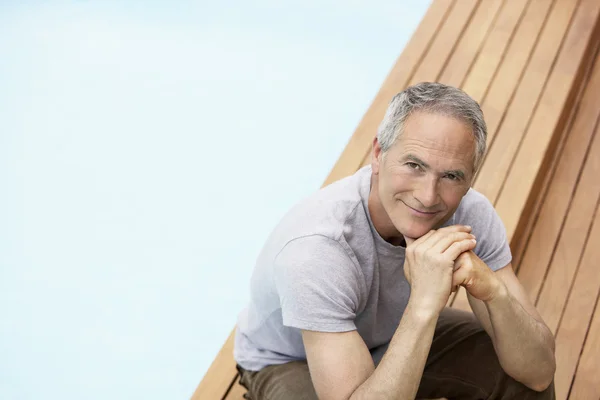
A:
[413,165]
[452,177]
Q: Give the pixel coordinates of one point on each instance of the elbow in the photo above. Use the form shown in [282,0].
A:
[540,386]
[544,379]
[536,376]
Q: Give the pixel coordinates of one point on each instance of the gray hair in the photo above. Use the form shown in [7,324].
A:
[435,98]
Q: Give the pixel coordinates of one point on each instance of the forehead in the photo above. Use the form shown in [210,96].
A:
[434,135]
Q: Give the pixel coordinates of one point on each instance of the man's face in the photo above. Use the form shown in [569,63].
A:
[425,173]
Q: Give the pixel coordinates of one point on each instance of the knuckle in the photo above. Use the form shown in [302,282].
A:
[460,236]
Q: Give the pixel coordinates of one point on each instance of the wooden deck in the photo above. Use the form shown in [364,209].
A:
[533,67]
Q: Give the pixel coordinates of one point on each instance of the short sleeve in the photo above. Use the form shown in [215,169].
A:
[492,244]
[318,285]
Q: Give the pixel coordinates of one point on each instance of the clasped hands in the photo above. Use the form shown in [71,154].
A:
[440,261]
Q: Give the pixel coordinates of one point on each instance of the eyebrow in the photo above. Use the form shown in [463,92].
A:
[410,157]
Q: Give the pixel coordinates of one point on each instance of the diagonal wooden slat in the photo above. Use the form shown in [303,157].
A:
[576,317]
[463,56]
[496,100]
[568,251]
[504,146]
[489,60]
[444,43]
[587,379]
[554,209]
[527,170]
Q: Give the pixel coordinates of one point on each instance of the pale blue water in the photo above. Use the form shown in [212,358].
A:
[146,150]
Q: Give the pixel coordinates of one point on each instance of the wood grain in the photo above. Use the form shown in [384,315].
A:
[568,251]
[587,379]
[490,58]
[504,147]
[576,319]
[539,142]
[495,101]
[544,237]
[469,46]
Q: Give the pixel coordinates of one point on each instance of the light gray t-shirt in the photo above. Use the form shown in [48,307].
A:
[325,268]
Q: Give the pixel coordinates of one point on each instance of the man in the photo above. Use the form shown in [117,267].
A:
[348,295]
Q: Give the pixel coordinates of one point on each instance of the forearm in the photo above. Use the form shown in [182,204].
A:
[399,373]
[521,342]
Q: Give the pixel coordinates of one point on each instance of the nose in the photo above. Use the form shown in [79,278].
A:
[427,192]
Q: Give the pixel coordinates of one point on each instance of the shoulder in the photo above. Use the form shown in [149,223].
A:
[327,211]
[317,254]
[478,212]
[474,207]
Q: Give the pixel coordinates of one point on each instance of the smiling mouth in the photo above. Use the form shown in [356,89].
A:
[419,211]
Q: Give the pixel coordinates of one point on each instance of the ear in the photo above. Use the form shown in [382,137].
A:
[376,156]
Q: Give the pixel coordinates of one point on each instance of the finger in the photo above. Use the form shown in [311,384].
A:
[455,228]
[446,241]
[443,232]
[421,239]
[457,248]
[461,260]
[459,277]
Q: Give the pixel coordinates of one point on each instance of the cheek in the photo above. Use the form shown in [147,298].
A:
[398,183]
[452,196]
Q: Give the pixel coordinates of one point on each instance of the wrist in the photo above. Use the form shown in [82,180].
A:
[499,294]
[421,311]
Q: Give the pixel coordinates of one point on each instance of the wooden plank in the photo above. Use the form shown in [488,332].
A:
[490,57]
[528,168]
[520,240]
[397,80]
[554,209]
[587,379]
[217,380]
[237,391]
[576,318]
[568,251]
[513,66]
[504,147]
[445,42]
[470,43]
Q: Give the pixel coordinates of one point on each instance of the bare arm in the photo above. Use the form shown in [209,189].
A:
[523,342]
[340,364]
[342,368]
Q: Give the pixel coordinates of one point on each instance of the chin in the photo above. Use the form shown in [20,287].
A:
[415,232]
